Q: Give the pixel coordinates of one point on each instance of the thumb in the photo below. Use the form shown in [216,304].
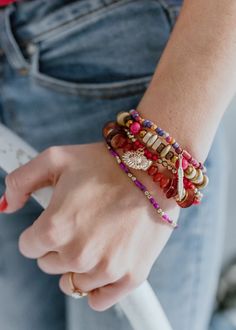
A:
[40,172]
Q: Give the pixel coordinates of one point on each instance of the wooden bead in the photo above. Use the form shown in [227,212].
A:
[161,147]
[121,116]
[165,151]
[198,179]
[108,128]
[152,140]
[204,183]
[188,199]
[190,172]
[156,144]
[147,137]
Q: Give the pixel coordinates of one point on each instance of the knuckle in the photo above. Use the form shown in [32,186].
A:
[11,182]
[109,270]
[53,154]
[50,237]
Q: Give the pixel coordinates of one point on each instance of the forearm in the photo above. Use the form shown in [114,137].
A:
[196,76]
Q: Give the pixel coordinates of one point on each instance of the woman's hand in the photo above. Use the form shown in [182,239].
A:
[98,224]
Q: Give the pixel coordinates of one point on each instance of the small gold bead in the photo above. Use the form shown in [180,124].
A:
[128,123]
[174,159]
[142,133]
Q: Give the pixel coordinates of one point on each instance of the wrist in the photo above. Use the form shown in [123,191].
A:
[162,105]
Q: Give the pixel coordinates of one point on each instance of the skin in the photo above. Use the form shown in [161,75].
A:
[98,224]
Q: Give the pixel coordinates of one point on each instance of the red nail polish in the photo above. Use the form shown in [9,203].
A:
[3,203]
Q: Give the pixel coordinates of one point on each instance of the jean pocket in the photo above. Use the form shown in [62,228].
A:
[107,54]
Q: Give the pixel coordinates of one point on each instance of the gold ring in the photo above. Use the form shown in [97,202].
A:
[76,292]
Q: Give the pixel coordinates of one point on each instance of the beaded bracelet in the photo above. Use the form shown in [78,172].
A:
[190,171]
[164,217]
[118,140]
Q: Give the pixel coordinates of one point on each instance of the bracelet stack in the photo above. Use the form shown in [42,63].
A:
[146,147]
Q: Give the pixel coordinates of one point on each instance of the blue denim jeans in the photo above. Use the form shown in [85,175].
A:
[65,65]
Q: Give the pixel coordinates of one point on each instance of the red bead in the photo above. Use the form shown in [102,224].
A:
[152,170]
[187,183]
[146,152]
[118,141]
[135,128]
[157,177]
[128,147]
[149,155]
[154,157]
[164,182]
[171,189]
[108,128]
[188,200]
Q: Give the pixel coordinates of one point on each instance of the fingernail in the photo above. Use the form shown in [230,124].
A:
[3,203]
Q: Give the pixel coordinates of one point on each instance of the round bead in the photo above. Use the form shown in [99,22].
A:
[164,182]
[175,145]
[168,139]
[157,177]
[147,123]
[128,123]
[142,133]
[108,128]
[185,164]
[121,118]
[135,128]
[178,150]
[118,141]
[152,170]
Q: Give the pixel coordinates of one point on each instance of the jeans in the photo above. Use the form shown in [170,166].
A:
[66,66]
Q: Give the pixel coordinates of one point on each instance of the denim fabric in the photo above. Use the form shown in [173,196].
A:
[67,65]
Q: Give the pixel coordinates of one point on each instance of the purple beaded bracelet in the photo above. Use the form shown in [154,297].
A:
[164,217]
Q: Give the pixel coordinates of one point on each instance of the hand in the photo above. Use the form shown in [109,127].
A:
[98,224]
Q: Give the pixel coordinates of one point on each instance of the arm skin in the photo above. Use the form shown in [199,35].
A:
[190,90]
[196,76]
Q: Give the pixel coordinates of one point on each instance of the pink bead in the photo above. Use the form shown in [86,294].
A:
[168,139]
[135,128]
[185,163]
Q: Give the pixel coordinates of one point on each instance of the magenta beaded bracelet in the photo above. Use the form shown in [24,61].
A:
[164,217]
